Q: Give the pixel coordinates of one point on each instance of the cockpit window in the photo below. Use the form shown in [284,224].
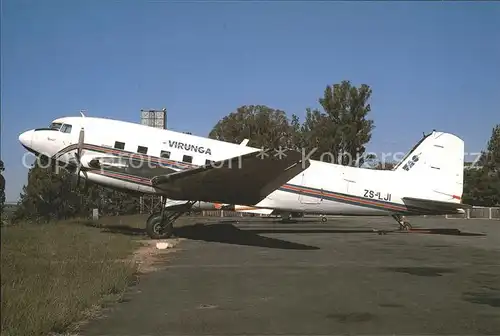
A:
[55,126]
[66,128]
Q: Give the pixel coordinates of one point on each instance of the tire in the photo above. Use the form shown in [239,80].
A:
[155,230]
[153,215]
[324,219]
[407,226]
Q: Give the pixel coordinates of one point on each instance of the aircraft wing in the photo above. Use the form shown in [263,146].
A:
[245,179]
[435,207]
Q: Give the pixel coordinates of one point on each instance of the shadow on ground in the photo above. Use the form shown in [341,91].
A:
[422,271]
[227,232]
[220,233]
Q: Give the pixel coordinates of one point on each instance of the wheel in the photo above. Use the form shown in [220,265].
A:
[324,219]
[286,217]
[153,215]
[407,226]
[158,230]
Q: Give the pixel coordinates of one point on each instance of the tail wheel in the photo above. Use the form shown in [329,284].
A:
[324,219]
[406,225]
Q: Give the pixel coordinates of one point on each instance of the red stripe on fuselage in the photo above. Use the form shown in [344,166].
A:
[343,197]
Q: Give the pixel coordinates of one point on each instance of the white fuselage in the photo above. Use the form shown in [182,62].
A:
[322,188]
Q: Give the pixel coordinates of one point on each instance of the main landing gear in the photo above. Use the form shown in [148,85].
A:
[404,224]
[160,225]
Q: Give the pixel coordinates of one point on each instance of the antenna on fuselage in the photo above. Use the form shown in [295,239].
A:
[81,112]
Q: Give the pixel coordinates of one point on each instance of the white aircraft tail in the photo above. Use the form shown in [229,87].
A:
[436,167]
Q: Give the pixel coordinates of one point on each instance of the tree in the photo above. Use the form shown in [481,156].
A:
[50,196]
[385,165]
[342,130]
[296,138]
[481,188]
[491,157]
[263,126]
[2,187]
[338,134]
[47,195]
[317,140]
[482,183]
[114,202]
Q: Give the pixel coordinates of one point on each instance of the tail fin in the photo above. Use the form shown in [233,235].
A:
[436,166]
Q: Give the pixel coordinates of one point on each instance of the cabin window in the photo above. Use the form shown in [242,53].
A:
[142,150]
[165,154]
[187,158]
[66,128]
[119,145]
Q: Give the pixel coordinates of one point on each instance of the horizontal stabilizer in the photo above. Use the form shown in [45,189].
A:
[432,207]
[245,180]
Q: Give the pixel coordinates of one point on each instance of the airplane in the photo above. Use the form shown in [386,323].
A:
[187,169]
[286,216]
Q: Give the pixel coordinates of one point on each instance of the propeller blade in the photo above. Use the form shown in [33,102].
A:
[80,143]
[78,155]
[78,175]
[86,186]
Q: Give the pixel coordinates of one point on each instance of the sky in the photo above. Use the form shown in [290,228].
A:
[431,65]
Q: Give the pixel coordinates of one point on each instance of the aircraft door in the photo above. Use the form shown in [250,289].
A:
[308,194]
[350,183]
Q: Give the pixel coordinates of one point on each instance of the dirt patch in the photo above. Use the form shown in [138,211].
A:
[148,255]
[148,258]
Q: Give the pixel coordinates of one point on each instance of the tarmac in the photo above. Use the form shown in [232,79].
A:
[264,277]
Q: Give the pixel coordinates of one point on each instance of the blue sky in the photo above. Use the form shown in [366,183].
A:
[431,65]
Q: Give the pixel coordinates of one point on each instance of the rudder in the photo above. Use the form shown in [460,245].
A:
[437,165]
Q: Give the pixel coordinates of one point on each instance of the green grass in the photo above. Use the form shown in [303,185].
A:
[55,274]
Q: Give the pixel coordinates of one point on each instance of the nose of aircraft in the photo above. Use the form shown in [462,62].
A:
[26,138]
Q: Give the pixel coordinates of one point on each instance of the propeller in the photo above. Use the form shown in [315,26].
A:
[78,156]
[53,167]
